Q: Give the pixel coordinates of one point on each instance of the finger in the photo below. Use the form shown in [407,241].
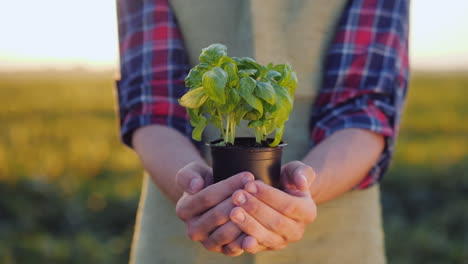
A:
[235,247]
[297,178]
[298,208]
[268,217]
[252,227]
[251,245]
[225,234]
[193,205]
[194,177]
[199,228]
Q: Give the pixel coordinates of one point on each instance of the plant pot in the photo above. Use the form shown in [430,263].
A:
[262,161]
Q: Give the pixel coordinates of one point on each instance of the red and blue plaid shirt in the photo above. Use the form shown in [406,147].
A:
[364,79]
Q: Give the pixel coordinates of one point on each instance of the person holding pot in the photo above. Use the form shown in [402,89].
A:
[351,58]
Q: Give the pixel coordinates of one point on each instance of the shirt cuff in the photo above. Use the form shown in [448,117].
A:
[139,117]
[363,113]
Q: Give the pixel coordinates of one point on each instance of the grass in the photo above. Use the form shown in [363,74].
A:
[62,125]
[69,189]
[424,194]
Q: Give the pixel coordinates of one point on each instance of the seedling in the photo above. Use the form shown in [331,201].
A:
[224,90]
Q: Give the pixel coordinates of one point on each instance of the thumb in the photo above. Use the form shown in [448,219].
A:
[297,177]
[194,177]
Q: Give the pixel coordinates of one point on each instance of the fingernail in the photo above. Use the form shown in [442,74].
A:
[247,177]
[240,199]
[194,185]
[251,188]
[302,182]
[238,216]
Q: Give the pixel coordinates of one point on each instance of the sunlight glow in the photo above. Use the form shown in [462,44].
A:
[70,33]
[57,33]
[439,34]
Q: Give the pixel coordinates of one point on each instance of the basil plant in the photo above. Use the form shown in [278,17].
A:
[225,90]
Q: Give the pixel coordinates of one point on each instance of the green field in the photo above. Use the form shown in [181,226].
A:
[69,189]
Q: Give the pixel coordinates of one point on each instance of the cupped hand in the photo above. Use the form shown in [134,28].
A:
[194,177]
[273,218]
[205,207]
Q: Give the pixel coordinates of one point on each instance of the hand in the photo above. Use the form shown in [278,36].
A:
[194,177]
[205,208]
[273,218]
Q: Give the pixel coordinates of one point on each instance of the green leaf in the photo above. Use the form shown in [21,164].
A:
[214,82]
[247,63]
[231,69]
[237,60]
[198,129]
[256,123]
[194,77]
[284,105]
[279,68]
[288,79]
[237,89]
[251,63]
[269,109]
[246,87]
[255,103]
[252,115]
[214,119]
[193,98]
[225,59]
[273,75]
[265,91]
[240,112]
[291,85]
[269,126]
[283,94]
[247,73]
[213,53]
[194,116]
[278,136]
[208,106]
[199,123]
[286,74]
[234,97]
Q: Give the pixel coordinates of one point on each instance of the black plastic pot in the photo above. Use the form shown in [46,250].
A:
[263,162]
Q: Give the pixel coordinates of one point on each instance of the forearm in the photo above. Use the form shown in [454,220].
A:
[148,92]
[341,161]
[163,152]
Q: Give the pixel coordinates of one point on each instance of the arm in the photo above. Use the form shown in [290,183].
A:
[354,125]
[341,161]
[153,67]
[356,115]
[163,152]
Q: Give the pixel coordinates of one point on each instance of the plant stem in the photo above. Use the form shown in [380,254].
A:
[226,137]
[233,128]
[223,133]
[258,136]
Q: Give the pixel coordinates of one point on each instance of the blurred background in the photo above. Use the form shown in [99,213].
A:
[69,189]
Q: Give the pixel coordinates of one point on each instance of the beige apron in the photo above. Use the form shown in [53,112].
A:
[347,229]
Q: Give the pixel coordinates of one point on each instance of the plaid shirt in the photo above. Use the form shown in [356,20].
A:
[364,79]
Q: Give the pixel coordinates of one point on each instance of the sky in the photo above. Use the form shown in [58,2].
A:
[71,33]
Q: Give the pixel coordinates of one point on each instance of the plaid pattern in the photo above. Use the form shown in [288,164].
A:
[364,80]
[365,76]
[153,66]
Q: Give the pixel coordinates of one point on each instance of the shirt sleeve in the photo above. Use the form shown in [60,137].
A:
[153,65]
[365,76]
